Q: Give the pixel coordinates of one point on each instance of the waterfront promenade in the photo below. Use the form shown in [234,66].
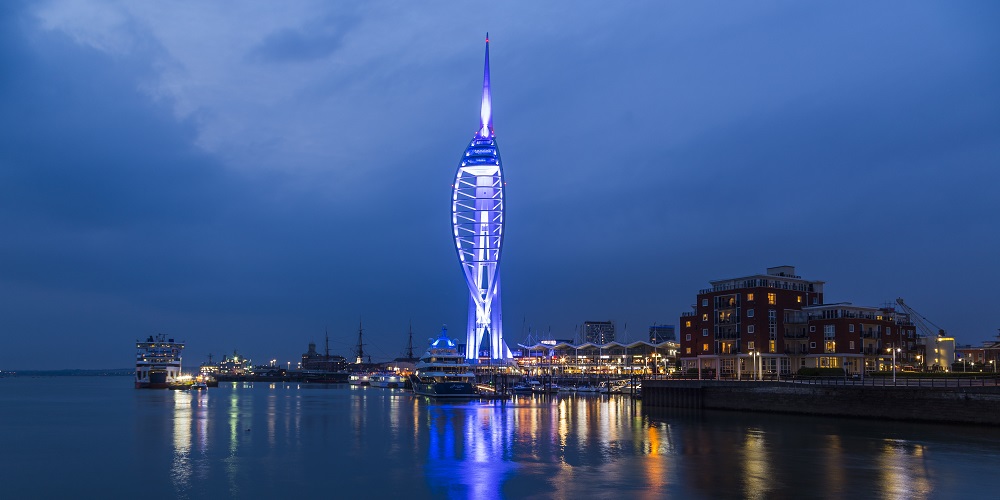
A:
[945,400]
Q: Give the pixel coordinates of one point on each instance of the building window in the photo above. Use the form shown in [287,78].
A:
[704,332]
[852,345]
[812,345]
[812,328]
[798,299]
[772,299]
[749,313]
[771,346]
[687,324]
[749,328]
[704,317]
[888,330]
[704,347]
[850,328]
[830,346]
[687,350]
[750,297]
[750,345]
[687,337]
[704,302]
[772,315]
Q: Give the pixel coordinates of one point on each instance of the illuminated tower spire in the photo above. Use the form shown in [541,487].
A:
[477,217]
[486,109]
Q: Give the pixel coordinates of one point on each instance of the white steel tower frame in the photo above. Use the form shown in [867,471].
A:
[477,217]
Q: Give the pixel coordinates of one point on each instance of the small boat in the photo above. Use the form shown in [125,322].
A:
[360,379]
[545,388]
[386,380]
[198,385]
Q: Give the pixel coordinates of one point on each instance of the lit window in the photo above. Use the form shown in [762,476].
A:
[704,317]
[704,347]
[771,347]
[798,299]
[687,324]
[687,350]
[749,296]
[750,345]
[772,299]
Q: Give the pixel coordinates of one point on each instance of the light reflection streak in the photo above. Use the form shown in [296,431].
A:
[180,468]
[756,464]
[903,470]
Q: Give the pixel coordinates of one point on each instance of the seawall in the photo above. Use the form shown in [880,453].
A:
[967,405]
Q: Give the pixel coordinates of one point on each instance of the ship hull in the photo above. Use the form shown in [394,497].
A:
[444,389]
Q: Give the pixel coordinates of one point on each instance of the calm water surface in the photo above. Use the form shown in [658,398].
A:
[96,437]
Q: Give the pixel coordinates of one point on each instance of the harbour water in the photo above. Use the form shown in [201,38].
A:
[97,437]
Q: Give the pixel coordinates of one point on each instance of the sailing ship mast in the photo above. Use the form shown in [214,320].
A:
[360,351]
[409,346]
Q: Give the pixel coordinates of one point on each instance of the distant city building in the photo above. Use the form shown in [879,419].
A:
[314,361]
[981,358]
[777,323]
[598,332]
[662,333]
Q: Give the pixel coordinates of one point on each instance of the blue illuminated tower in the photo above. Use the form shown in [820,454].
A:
[477,207]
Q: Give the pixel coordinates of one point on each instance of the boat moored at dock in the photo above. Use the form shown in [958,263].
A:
[443,372]
[386,380]
[157,362]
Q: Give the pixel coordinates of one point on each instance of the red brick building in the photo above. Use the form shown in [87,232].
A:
[776,323]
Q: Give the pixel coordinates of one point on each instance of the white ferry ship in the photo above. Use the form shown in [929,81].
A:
[157,362]
[443,372]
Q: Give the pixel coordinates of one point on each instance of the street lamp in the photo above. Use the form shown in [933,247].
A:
[894,351]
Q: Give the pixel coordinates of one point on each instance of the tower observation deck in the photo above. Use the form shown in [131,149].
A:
[477,218]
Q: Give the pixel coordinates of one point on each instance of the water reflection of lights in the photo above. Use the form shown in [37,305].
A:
[756,464]
[180,467]
[903,470]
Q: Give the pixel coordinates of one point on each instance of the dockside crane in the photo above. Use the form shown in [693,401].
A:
[924,325]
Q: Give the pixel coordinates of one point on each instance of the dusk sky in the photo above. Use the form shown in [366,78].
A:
[247,175]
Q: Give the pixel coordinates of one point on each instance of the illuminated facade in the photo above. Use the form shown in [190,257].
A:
[477,217]
[777,323]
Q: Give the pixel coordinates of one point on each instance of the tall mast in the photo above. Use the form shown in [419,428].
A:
[409,346]
[361,345]
[327,358]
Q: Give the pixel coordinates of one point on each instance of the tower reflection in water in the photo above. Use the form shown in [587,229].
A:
[378,440]
[540,445]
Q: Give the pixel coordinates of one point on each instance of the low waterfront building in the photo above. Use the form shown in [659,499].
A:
[588,358]
[774,324]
